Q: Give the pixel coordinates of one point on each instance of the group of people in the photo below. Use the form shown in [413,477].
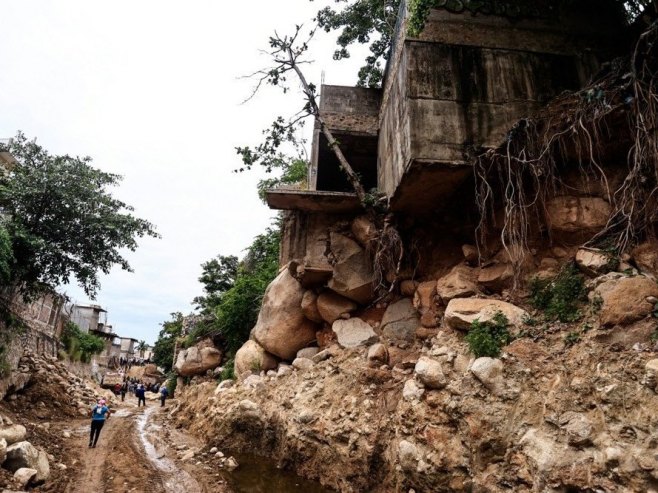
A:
[139,389]
[130,362]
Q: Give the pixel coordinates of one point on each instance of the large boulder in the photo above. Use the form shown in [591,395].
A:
[400,320]
[332,306]
[458,283]
[251,357]
[462,312]
[353,276]
[310,307]
[21,454]
[13,433]
[625,299]
[198,359]
[354,332]
[577,218]
[282,329]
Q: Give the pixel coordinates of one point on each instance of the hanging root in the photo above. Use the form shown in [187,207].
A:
[388,255]
[573,130]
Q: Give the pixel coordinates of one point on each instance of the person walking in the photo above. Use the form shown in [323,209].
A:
[141,395]
[99,413]
[164,392]
[124,390]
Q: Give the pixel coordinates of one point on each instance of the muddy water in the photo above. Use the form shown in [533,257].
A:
[174,479]
[258,475]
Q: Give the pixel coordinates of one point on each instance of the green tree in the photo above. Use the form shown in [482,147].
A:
[236,310]
[163,349]
[79,345]
[142,347]
[364,22]
[217,276]
[63,220]
[293,172]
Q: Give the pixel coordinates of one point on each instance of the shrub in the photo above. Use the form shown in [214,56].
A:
[560,298]
[228,373]
[571,338]
[487,338]
[80,346]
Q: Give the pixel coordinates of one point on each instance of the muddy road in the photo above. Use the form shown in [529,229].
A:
[134,454]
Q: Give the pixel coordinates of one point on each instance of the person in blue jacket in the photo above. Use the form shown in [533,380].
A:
[99,413]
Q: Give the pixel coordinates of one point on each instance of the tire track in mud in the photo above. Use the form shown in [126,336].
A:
[129,457]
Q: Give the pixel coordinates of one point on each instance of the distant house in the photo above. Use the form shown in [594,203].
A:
[89,318]
[128,348]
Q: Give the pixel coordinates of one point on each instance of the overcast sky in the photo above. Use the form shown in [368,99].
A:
[150,89]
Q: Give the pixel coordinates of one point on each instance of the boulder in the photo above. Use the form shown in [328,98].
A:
[625,299]
[645,256]
[310,307]
[354,332]
[332,306]
[13,433]
[377,355]
[429,373]
[489,371]
[198,359]
[353,276]
[364,230]
[24,476]
[308,352]
[592,262]
[408,288]
[458,283]
[400,320]
[651,374]
[21,454]
[496,277]
[251,357]
[462,312]
[577,218]
[42,467]
[578,428]
[282,329]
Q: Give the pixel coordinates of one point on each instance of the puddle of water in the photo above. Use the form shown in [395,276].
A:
[259,475]
[175,479]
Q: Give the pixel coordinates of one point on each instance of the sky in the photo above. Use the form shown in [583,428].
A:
[152,90]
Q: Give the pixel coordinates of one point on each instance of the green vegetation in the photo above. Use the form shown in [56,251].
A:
[171,383]
[79,345]
[235,310]
[228,373]
[62,221]
[487,338]
[560,297]
[293,172]
[163,350]
[571,338]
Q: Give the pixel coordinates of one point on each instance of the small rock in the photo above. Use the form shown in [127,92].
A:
[213,450]
[412,391]
[24,476]
[354,333]
[321,356]
[489,371]
[430,373]
[377,355]
[308,352]
[303,364]
[231,464]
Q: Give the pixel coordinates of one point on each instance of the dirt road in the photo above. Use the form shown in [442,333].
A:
[132,456]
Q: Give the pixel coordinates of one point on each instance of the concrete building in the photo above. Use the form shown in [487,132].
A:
[89,318]
[455,90]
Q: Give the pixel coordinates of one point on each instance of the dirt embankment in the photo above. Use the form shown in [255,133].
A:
[560,416]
